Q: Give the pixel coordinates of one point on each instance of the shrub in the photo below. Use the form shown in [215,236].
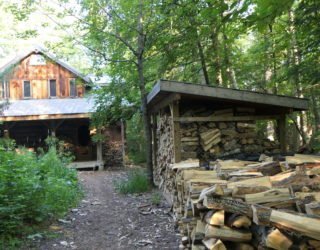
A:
[137,182]
[34,189]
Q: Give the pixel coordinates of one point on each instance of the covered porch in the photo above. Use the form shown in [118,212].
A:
[30,122]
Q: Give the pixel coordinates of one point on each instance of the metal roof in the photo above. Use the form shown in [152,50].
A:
[188,91]
[37,107]
[38,49]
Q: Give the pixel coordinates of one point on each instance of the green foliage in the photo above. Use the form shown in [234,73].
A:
[7,144]
[137,182]
[62,152]
[34,190]
[136,143]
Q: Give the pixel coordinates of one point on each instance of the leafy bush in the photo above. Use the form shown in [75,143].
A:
[137,182]
[136,144]
[34,189]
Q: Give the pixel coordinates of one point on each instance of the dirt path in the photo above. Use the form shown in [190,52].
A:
[107,220]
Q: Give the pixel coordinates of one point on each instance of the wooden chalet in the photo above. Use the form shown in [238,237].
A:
[47,97]
[206,123]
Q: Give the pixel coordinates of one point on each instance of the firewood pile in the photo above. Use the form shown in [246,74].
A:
[248,205]
[220,139]
[164,153]
[112,153]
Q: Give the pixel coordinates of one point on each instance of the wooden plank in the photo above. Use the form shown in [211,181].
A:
[232,94]
[165,102]
[176,132]
[227,118]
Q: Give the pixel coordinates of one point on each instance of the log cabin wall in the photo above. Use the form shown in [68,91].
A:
[39,76]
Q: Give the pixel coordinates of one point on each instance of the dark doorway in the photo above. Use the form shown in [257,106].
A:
[84,135]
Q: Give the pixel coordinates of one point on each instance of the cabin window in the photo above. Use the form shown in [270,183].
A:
[26,89]
[73,87]
[52,88]
[4,89]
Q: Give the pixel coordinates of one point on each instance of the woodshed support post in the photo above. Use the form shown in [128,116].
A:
[174,107]
[282,134]
[154,140]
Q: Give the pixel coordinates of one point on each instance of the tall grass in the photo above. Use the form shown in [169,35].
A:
[137,182]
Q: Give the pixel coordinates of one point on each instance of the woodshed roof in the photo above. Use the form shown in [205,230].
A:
[165,91]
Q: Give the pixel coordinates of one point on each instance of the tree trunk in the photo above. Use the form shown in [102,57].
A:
[229,70]
[143,91]
[296,58]
[203,61]
[216,59]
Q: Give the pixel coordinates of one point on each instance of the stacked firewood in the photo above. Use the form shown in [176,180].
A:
[112,153]
[219,139]
[165,151]
[249,205]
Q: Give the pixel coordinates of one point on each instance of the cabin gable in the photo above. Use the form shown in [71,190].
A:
[39,70]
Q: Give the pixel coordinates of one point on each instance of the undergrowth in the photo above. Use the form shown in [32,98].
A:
[33,190]
[137,182]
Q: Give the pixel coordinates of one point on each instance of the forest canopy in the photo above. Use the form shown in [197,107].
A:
[263,45]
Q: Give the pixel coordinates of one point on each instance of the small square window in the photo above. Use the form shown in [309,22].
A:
[73,87]
[52,88]
[26,89]
[5,89]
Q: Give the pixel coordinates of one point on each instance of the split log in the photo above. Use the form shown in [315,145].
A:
[277,240]
[314,243]
[306,226]
[238,221]
[188,139]
[216,190]
[198,232]
[240,191]
[229,205]
[261,215]
[303,195]
[272,195]
[266,168]
[208,136]
[214,244]
[298,159]
[242,125]
[261,181]
[226,233]
[313,208]
[215,218]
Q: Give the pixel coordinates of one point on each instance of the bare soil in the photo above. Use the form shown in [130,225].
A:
[106,219]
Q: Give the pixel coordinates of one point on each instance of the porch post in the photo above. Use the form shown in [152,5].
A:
[282,134]
[99,154]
